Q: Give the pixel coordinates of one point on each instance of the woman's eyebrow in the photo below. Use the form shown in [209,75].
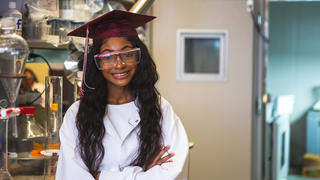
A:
[123,48]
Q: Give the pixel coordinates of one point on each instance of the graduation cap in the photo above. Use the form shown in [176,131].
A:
[115,23]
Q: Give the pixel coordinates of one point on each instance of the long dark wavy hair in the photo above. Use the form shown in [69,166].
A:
[93,104]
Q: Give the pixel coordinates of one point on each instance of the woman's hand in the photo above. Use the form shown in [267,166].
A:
[97,176]
[158,160]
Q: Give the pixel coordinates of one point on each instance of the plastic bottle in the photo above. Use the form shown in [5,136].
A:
[17,15]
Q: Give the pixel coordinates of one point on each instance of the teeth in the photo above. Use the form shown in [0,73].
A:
[120,74]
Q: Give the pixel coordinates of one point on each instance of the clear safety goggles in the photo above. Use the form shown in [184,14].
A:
[109,60]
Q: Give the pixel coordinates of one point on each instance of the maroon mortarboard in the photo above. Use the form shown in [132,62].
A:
[115,23]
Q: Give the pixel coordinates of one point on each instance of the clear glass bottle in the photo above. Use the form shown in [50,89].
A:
[17,15]
[30,138]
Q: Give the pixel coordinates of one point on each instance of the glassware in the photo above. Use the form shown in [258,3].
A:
[4,173]
[17,15]
[13,54]
[31,129]
[31,135]
[66,9]
[54,119]
[53,85]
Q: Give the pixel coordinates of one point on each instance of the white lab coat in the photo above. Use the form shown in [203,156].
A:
[121,145]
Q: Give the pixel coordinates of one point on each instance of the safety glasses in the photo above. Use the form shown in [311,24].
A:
[109,60]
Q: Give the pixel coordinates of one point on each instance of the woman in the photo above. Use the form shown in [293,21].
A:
[31,89]
[121,129]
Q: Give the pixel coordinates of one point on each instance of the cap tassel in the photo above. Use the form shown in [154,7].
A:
[83,83]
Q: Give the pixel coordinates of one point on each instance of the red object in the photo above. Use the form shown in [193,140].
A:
[115,23]
[9,111]
[27,110]
[5,112]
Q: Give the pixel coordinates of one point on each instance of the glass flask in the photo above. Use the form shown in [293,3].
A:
[13,54]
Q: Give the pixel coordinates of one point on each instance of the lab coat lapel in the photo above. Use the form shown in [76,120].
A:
[130,125]
[123,128]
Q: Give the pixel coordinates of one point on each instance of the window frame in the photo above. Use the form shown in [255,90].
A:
[222,35]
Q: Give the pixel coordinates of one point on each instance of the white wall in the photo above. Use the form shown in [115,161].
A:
[217,116]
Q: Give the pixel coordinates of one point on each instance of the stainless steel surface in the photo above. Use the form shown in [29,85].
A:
[71,72]
[71,66]
[141,6]
[259,89]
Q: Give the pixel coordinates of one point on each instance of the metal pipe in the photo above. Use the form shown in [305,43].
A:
[141,6]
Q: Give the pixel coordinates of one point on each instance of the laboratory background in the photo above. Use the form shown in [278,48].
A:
[242,75]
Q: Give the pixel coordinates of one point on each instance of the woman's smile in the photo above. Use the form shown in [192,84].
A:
[121,75]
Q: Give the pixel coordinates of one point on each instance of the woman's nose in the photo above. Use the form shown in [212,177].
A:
[119,63]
